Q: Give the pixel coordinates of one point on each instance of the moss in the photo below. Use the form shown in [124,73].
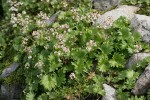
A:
[13,79]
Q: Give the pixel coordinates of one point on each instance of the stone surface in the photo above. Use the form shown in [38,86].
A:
[135,58]
[10,92]
[4,92]
[6,72]
[141,24]
[105,4]
[106,20]
[16,91]
[143,83]
[110,93]
[52,19]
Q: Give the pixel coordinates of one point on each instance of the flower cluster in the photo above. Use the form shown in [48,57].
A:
[75,12]
[39,64]
[18,18]
[92,16]
[14,5]
[65,28]
[61,45]
[90,45]
[28,50]
[137,48]
[65,4]
[36,34]
[41,19]
[46,1]
[24,44]
[89,17]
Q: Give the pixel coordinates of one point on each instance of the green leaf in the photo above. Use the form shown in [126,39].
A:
[123,45]
[61,15]
[54,2]
[78,54]
[43,97]
[30,96]
[122,75]
[130,73]
[130,50]
[137,37]
[113,63]
[117,60]
[55,25]
[121,23]
[106,48]
[54,63]
[125,32]
[102,67]
[17,44]
[2,41]
[48,82]
[60,77]
[78,66]
[103,64]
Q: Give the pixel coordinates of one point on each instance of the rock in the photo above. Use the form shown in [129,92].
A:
[143,83]
[141,24]
[4,92]
[104,5]
[11,92]
[6,72]
[110,93]
[106,20]
[135,58]
[16,90]
[52,19]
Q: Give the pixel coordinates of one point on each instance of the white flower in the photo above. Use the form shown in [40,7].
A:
[47,0]
[13,9]
[39,64]
[46,47]
[29,57]
[137,48]
[27,65]
[72,76]
[90,45]
[23,12]
[14,25]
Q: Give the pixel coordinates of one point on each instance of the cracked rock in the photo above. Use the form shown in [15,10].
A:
[110,93]
[135,58]
[104,5]
[141,24]
[143,83]
[106,20]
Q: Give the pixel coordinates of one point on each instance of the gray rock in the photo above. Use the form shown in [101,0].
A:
[5,92]
[110,93]
[141,24]
[6,72]
[143,83]
[104,5]
[135,58]
[16,91]
[11,92]
[52,19]
[106,20]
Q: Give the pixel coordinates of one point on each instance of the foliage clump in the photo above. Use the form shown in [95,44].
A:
[70,58]
[143,4]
